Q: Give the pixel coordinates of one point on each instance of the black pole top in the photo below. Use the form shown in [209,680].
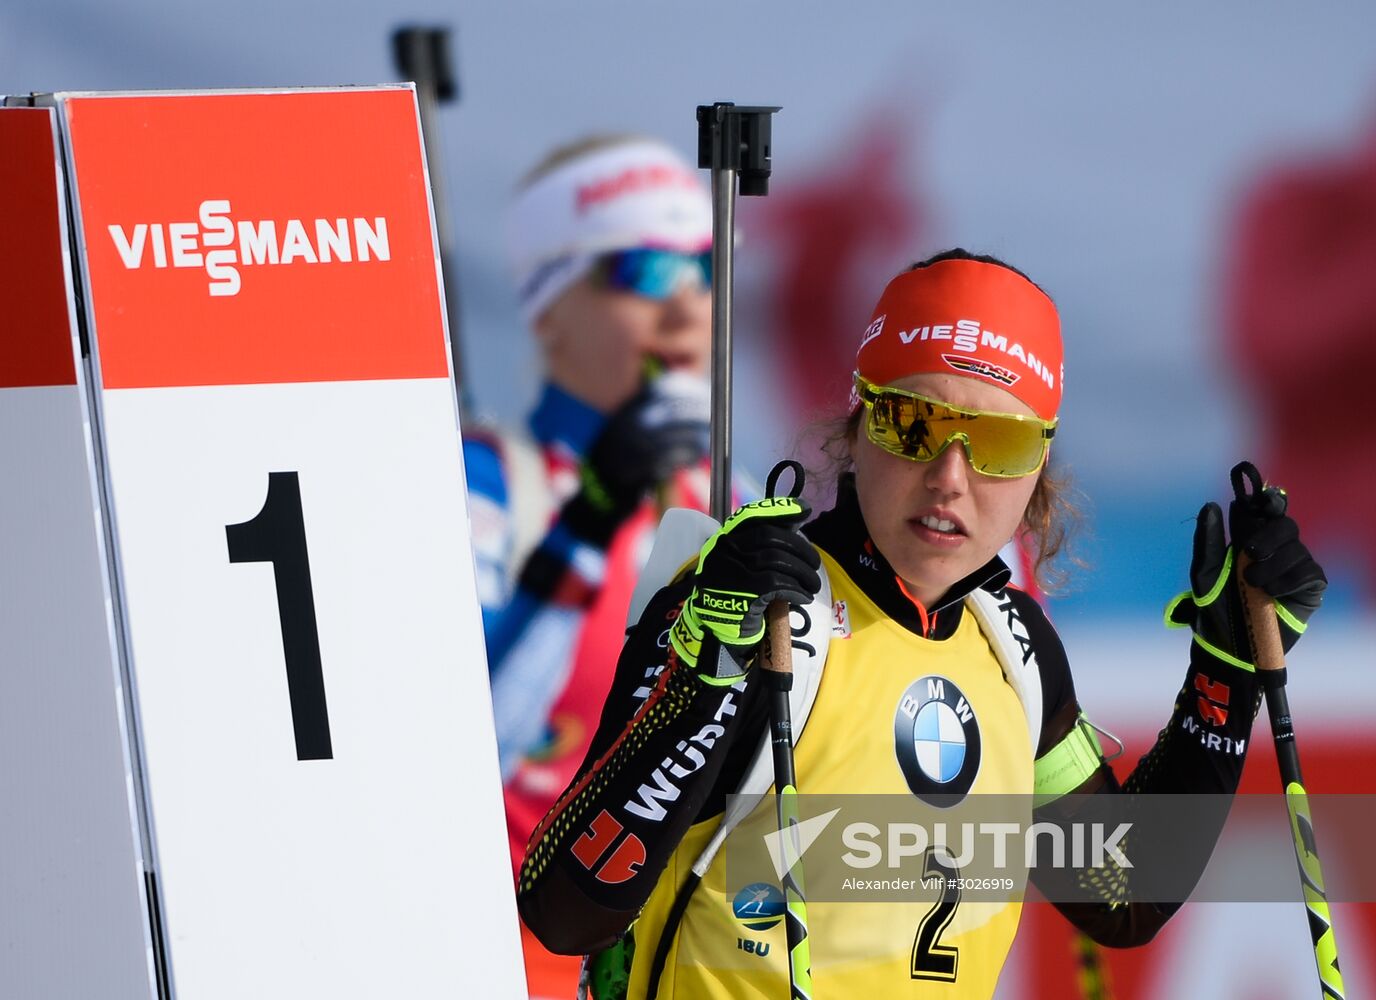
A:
[422,54]
[736,138]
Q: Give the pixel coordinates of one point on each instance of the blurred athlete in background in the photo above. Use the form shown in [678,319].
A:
[610,239]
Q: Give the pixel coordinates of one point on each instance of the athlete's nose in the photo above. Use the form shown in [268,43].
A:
[684,305]
[948,475]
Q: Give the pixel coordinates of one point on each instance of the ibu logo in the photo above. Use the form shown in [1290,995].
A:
[759,906]
[937,741]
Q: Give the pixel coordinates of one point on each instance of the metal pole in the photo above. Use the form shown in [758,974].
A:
[734,144]
[423,55]
[723,239]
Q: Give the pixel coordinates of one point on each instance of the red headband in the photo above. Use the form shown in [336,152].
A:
[966,317]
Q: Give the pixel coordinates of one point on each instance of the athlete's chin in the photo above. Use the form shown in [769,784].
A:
[937,571]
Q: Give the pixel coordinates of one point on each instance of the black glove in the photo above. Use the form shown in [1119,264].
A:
[664,427]
[757,557]
[1281,566]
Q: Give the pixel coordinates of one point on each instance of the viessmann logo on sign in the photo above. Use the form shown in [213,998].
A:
[246,238]
[223,244]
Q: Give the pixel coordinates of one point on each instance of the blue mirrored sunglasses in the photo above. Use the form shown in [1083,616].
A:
[655,274]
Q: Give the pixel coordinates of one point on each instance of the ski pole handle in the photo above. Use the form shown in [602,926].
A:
[777,654]
[1259,617]
[1262,628]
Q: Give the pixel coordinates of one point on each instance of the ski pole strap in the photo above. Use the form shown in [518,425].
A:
[771,485]
[1069,763]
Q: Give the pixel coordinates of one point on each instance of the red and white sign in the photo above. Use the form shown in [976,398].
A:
[284,584]
[312,203]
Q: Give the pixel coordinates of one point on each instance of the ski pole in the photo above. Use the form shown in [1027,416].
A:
[1092,972]
[776,659]
[734,144]
[1264,634]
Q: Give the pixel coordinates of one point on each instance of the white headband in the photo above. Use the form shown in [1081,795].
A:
[636,194]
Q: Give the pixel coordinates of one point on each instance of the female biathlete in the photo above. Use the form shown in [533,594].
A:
[940,680]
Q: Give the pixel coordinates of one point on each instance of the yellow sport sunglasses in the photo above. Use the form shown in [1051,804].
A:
[1003,445]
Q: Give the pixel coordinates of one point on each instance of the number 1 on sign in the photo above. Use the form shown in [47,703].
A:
[277,534]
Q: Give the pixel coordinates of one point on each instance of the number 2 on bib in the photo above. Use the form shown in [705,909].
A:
[931,959]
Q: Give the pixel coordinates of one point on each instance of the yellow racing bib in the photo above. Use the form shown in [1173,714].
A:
[896,714]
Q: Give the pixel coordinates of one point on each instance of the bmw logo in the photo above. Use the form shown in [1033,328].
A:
[936,738]
[759,906]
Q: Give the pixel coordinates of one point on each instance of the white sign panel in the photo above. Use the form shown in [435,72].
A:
[286,492]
